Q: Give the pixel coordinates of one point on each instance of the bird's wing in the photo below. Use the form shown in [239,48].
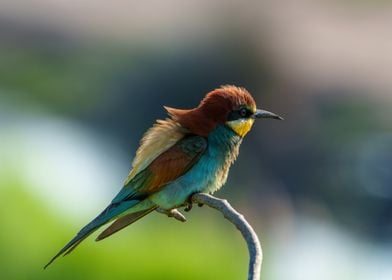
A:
[123,222]
[159,138]
[167,167]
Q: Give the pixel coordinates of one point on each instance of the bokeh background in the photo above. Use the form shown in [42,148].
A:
[80,82]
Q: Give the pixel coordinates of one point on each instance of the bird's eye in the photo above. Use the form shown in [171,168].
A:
[240,113]
[243,112]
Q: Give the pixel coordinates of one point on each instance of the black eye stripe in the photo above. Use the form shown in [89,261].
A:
[241,113]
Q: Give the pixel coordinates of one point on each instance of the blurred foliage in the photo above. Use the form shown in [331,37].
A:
[62,79]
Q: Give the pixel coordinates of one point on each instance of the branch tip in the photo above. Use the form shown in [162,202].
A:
[254,247]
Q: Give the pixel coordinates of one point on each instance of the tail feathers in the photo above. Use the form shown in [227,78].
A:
[83,234]
[123,222]
[106,216]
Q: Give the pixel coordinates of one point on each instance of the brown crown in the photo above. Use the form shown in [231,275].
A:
[213,109]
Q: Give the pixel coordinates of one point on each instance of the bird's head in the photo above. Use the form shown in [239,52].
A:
[229,105]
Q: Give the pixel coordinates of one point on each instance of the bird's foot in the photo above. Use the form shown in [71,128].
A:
[188,206]
[188,203]
[172,213]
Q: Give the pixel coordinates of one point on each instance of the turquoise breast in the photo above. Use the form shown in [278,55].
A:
[208,174]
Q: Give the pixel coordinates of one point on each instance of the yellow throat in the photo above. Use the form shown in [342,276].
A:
[241,126]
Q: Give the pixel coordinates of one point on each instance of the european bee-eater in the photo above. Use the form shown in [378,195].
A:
[189,152]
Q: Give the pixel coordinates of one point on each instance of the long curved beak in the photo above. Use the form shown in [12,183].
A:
[266,115]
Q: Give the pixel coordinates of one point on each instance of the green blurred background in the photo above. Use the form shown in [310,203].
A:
[80,82]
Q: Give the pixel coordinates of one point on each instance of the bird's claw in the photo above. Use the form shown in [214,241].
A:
[188,206]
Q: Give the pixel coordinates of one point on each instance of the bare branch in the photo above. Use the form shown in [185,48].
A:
[254,248]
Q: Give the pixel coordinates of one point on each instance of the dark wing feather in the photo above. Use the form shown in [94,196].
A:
[123,222]
[167,167]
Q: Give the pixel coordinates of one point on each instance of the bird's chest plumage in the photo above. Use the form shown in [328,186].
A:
[208,174]
[223,149]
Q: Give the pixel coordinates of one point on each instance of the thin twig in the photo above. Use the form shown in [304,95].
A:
[254,248]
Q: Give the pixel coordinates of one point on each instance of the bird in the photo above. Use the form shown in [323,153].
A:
[189,152]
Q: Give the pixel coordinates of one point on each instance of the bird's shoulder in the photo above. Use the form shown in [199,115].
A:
[174,162]
[163,135]
[166,167]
